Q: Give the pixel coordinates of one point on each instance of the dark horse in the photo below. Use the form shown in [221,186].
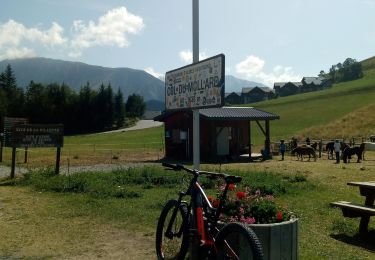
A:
[347,152]
[304,150]
[329,149]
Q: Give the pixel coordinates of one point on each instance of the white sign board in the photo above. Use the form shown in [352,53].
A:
[200,85]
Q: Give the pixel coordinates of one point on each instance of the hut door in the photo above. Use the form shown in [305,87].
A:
[222,140]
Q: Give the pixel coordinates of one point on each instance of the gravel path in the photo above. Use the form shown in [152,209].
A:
[141,124]
[5,170]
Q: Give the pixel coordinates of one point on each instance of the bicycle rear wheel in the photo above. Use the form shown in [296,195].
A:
[172,244]
[236,241]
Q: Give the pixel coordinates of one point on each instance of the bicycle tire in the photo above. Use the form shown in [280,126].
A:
[237,241]
[172,248]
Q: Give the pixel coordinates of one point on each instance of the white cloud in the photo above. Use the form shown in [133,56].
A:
[186,56]
[16,53]
[252,68]
[150,70]
[112,29]
[14,34]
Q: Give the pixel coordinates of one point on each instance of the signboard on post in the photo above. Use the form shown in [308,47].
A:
[7,126]
[199,85]
[35,135]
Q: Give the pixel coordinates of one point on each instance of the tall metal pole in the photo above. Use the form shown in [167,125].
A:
[196,128]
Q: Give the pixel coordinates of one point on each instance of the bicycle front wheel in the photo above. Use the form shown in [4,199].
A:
[236,241]
[172,243]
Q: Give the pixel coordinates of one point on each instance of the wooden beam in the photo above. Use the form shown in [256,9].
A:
[250,141]
[261,128]
[268,139]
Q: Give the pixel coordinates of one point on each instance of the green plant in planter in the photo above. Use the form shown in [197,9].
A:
[252,208]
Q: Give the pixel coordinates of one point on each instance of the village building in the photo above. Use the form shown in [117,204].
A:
[307,84]
[225,133]
[255,94]
[233,98]
[249,95]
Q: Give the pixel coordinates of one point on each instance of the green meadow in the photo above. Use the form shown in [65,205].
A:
[299,112]
[93,215]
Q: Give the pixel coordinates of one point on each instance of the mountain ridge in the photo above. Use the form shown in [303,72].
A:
[77,74]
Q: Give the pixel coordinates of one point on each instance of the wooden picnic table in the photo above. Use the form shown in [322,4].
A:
[353,210]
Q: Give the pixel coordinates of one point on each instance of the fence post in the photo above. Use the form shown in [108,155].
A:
[25,160]
[12,170]
[320,148]
[1,147]
[58,153]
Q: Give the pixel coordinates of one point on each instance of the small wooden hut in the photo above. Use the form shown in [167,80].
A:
[224,132]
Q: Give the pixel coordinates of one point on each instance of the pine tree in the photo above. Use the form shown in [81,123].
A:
[135,106]
[119,109]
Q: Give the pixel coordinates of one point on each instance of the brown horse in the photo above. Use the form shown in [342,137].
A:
[304,150]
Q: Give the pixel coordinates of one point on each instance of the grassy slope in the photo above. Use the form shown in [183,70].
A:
[317,109]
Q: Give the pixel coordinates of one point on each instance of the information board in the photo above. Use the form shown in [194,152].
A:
[37,135]
[7,125]
[200,85]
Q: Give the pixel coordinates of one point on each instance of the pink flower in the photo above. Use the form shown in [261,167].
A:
[248,220]
[232,219]
[221,187]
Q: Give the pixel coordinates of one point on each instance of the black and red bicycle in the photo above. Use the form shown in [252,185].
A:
[194,224]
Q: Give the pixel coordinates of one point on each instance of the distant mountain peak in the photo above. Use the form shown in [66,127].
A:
[233,84]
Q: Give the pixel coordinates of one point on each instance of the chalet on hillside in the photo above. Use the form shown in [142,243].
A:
[224,132]
[249,95]
[283,89]
[233,98]
[256,94]
[307,84]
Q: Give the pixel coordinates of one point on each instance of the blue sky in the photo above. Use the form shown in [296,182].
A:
[263,41]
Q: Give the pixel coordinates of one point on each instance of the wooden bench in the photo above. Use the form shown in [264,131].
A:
[355,210]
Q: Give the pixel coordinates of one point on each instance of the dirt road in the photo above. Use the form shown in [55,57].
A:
[141,124]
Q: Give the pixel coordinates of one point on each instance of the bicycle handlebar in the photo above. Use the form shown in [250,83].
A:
[228,178]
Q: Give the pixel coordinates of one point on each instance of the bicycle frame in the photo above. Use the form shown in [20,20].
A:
[201,209]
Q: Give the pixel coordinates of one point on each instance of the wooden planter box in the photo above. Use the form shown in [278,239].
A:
[279,240]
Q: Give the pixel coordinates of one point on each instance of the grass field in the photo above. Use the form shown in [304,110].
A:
[78,216]
[91,216]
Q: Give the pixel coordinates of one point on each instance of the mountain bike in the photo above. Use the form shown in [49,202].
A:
[195,225]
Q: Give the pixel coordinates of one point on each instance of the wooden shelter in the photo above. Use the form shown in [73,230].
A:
[224,132]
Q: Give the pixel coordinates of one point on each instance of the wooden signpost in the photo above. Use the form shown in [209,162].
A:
[37,135]
[7,124]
